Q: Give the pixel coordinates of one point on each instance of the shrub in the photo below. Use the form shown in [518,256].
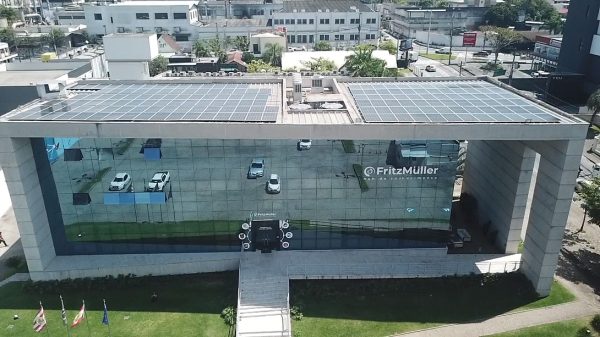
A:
[584,332]
[229,315]
[296,314]
[596,323]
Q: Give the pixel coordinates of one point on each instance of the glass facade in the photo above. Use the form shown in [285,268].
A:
[192,195]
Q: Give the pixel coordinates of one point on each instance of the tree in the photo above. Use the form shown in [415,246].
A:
[322,46]
[272,54]
[500,38]
[241,43]
[216,49]
[501,15]
[9,14]
[363,64]
[8,35]
[200,49]
[260,66]
[593,103]
[432,3]
[554,23]
[55,38]
[158,65]
[248,57]
[390,46]
[320,64]
[590,195]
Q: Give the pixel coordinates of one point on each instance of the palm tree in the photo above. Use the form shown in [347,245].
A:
[363,64]
[593,103]
[272,54]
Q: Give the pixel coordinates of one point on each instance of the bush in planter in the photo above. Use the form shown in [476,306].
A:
[596,323]
[296,314]
[229,315]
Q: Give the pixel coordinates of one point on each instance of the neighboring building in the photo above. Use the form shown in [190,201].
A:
[342,23]
[69,15]
[562,6]
[128,55]
[259,42]
[168,45]
[173,17]
[580,51]
[414,22]
[546,52]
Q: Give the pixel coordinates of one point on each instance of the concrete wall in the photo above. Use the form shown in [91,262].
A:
[128,70]
[20,171]
[130,47]
[498,175]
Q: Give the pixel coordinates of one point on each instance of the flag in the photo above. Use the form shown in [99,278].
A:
[63,312]
[105,317]
[79,317]
[39,322]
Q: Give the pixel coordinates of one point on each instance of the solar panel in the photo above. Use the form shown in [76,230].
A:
[445,102]
[161,102]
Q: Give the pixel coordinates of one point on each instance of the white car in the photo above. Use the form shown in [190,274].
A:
[158,181]
[274,184]
[297,48]
[122,181]
[304,144]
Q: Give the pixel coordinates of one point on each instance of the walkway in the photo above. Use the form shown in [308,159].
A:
[263,301]
[585,305]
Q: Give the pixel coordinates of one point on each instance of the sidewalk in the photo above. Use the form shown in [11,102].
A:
[585,305]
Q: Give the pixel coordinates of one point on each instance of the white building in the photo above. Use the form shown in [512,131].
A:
[173,17]
[341,22]
[5,54]
[259,42]
[128,55]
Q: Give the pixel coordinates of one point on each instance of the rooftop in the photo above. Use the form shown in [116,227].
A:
[29,77]
[332,5]
[156,3]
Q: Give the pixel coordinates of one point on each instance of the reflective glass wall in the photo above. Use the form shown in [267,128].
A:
[184,195]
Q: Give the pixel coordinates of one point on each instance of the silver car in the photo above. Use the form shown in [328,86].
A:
[256,169]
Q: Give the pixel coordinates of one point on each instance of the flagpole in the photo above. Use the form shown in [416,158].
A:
[107,320]
[63,315]
[86,319]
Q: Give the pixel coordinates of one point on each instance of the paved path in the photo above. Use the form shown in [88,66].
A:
[585,305]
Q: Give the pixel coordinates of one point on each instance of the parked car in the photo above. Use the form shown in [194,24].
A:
[304,144]
[158,181]
[256,169]
[122,181]
[540,74]
[481,53]
[444,50]
[297,48]
[430,68]
[274,184]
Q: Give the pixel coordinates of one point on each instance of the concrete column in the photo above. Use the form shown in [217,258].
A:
[17,162]
[552,197]
[498,175]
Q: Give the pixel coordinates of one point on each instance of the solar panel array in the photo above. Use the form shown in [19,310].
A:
[204,102]
[445,102]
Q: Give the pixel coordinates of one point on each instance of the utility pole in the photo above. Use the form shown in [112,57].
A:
[451,32]
[359,25]
[512,68]
[428,32]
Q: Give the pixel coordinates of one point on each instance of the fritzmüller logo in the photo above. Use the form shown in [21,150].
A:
[370,171]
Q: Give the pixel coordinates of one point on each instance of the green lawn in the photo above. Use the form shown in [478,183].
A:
[187,306]
[437,57]
[560,329]
[381,308]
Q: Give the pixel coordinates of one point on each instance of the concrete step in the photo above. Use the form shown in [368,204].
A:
[271,313]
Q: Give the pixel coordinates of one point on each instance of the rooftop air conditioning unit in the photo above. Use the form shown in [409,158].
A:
[177,29]
[120,29]
[326,10]
[294,10]
[303,10]
[191,73]
[183,74]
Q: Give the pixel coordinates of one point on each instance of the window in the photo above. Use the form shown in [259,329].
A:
[78,17]
[370,37]
[302,39]
[311,39]
[139,29]
[179,16]
[354,37]
[182,38]
[97,16]
[311,21]
[275,21]
[354,21]
[142,16]
[287,21]
[339,37]
[302,21]
[292,21]
[339,21]
[323,37]
[371,21]
[161,16]
[324,21]
[63,17]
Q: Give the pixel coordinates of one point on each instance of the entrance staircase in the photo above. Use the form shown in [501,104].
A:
[263,297]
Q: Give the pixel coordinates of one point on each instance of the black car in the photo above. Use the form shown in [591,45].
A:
[482,53]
